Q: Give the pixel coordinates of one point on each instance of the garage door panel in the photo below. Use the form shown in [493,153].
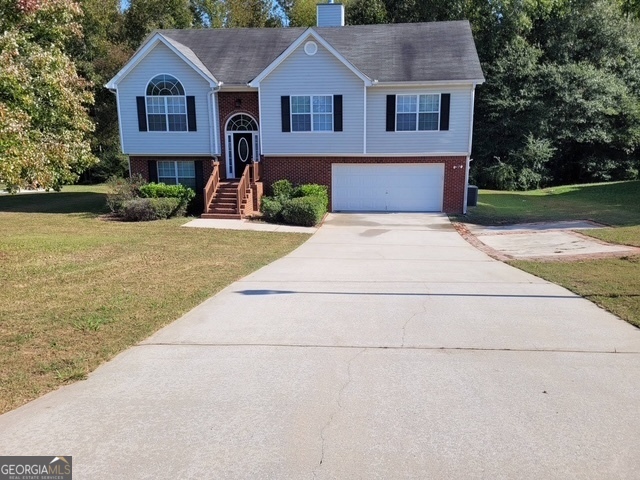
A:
[390,187]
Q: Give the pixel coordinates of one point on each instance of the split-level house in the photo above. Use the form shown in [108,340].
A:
[380,114]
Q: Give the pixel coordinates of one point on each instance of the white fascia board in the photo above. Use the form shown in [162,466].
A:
[470,83]
[144,51]
[310,32]
[370,154]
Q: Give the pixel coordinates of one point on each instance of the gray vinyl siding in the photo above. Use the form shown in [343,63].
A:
[455,140]
[319,74]
[330,15]
[162,60]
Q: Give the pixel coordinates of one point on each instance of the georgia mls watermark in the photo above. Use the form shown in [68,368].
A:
[35,468]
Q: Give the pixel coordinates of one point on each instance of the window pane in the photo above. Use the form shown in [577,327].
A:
[157,123]
[406,122]
[407,103]
[323,104]
[301,123]
[428,121]
[187,182]
[176,105]
[177,123]
[167,180]
[322,122]
[155,105]
[429,103]
[166,169]
[186,169]
[300,105]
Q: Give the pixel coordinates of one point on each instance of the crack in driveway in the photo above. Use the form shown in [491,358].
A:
[404,327]
[335,412]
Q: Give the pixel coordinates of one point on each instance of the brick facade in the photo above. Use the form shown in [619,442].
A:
[227,108]
[318,170]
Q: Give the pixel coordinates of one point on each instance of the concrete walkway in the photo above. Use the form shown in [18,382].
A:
[385,347]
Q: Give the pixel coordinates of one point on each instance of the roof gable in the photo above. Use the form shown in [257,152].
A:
[182,51]
[309,33]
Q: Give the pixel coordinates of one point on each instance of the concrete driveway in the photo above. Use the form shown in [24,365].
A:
[384,347]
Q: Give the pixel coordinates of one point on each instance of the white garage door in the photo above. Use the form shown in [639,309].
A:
[388,187]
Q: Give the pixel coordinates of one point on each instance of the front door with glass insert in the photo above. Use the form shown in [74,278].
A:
[242,152]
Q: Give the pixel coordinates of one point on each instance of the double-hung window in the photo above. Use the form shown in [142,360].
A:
[417,112]
[312,113]
[166,105]
[174,173]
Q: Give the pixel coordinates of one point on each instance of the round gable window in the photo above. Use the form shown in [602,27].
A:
[310,48]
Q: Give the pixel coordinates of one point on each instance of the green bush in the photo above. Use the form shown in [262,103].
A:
[304,211]
[282,189]
[313,190]
[122,190]
[160,190]
[271,209]
[145,209]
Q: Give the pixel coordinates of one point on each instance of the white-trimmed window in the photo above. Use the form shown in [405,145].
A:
[417,112]
[312,113]
[177,172]
[166,105]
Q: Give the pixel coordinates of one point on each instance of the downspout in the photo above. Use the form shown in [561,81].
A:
[469,160]
[213,119]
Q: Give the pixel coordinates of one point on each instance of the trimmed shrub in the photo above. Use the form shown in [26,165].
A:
[145,209]
[160,190]
[313,190]
[282,189]
[122,190]
[271,209]
[303,211]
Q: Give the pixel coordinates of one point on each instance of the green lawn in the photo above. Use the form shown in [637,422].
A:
[77,289]
[613,283]
[616,204]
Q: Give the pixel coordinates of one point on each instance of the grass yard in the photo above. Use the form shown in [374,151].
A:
[76,289]
[612,283]
[616,204]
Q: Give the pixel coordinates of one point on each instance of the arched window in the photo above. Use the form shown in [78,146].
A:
[242,123]
[166,105]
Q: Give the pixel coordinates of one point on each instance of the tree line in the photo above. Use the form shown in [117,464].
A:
[561,103]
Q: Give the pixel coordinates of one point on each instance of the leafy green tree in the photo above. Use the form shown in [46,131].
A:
[44,124]
[365,12]
[144,16]
[99,55]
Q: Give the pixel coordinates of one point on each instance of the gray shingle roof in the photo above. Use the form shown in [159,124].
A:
[408,52]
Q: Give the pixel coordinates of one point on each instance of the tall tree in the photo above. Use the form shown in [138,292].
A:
[144,16]
[44,125]
[365,12]
[99,56]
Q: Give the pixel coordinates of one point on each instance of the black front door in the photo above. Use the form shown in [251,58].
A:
[242,152]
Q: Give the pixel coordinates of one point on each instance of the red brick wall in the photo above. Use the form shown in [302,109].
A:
[227,108]
[318,170]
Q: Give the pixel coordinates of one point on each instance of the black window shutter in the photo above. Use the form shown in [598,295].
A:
[191,114]
[199,177]
[391,113]
[142,114]
[153,171]
[337,113]
[286,118]
[445,102]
